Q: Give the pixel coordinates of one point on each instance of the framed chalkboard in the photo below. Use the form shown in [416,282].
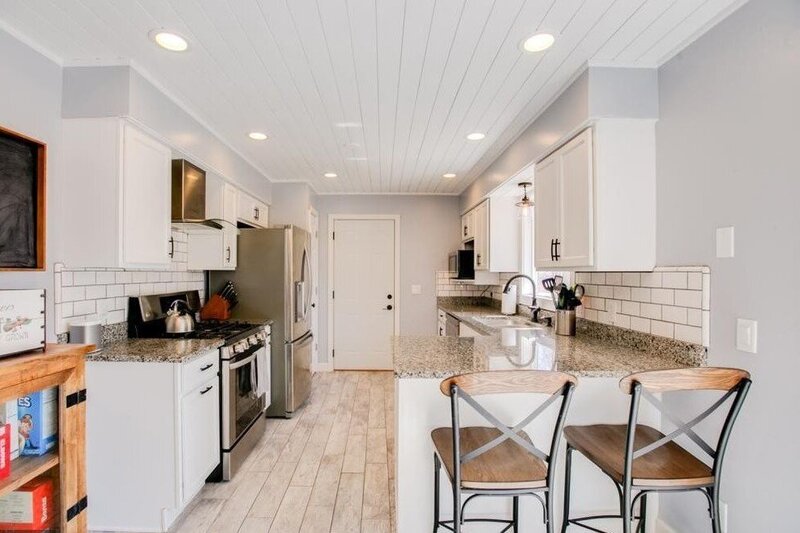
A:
[22,202]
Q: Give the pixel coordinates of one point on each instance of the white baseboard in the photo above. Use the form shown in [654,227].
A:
[322,367]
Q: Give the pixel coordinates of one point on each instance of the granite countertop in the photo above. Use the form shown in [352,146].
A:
[596,351]
[154,350]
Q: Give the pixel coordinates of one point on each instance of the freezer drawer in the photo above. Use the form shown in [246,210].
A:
[298,372]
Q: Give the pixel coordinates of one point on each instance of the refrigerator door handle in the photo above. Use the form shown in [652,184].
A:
[299,301]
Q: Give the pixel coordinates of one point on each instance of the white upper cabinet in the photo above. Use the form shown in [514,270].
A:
[230,198]
[480,220]
[252,211]
[595,200]
[115,201]
[221,199]
[468,226]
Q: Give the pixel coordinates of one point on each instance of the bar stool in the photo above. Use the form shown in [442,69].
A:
[499,460]
[642,459]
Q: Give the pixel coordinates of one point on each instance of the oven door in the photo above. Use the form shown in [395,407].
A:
[242,398]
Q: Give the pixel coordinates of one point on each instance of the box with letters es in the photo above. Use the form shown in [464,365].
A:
[37,421]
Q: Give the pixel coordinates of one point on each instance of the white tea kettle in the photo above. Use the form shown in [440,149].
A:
[179,319]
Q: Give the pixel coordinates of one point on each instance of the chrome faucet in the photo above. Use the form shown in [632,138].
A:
[533,307]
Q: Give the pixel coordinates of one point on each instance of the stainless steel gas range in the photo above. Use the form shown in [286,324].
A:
[245,372]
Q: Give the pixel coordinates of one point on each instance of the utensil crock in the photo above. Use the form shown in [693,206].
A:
[565,322]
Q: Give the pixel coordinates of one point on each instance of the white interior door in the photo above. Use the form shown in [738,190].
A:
[364,299]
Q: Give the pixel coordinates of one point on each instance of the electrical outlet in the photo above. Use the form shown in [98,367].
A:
[725,241]
[747,335]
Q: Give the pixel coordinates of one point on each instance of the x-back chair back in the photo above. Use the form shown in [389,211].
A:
[465,387]
[651,461]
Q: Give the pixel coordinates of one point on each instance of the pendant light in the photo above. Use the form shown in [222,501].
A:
[525,203]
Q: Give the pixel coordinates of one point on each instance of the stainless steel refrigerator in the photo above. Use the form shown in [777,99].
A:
[273,281]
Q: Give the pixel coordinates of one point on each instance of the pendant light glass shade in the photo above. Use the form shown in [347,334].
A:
[525,203]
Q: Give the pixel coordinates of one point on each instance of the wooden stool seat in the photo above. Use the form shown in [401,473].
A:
[667,466]
[506,466]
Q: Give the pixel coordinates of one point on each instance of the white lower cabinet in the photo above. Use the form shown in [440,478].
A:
[152,438]
[200,433]
[441,328]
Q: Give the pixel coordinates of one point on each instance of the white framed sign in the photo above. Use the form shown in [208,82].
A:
[21,320]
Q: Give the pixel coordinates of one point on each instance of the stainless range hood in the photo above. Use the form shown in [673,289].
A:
[189,196]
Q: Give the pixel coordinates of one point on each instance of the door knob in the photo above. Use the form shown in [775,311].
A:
[388,296]
[388,307]
[314,306]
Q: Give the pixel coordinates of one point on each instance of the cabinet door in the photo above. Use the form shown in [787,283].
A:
[146,208]
[229,249]
[481,231]
[546,210]
[229,203]
[200,435]
[466,226]
[260,214]
[205,250]
[576,235]
[246,208]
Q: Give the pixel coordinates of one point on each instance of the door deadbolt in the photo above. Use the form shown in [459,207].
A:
[388,307]
[388,296]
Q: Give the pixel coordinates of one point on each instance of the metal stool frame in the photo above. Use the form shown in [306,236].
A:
[626,488]
[508,432]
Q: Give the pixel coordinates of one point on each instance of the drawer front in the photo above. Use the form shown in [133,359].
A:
[199,370]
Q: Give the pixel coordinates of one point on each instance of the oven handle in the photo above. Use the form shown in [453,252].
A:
[239,364]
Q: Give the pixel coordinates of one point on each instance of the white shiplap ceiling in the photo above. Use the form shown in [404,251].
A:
[381,92]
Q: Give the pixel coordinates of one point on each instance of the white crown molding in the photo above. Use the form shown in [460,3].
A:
[388,193]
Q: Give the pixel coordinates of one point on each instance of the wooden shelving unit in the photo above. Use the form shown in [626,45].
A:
[62,366]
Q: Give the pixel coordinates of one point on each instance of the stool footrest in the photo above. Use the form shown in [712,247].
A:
[577,521]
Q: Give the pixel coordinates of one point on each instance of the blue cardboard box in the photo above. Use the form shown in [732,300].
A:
[38,421]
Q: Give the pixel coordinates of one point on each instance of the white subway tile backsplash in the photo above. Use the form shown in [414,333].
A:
[655,302]
[115,290]
[694,317]
[688,334]
[662,296]
[651,279]
[640,294]
[106,278]
[95,291]
[674,280]
[640,324]
[84,307]
[662,329]
[622,293]
[689,298]
[72,294]
[676,315]
[66,279]
[651,311]
[631,279]
[84,278]
[138,277]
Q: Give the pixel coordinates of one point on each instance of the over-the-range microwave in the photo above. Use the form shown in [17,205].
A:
[462,262]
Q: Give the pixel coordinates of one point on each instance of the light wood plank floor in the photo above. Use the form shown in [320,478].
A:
[329,469]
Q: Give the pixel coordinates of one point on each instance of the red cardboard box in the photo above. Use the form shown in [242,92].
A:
[5,451]
[29,508]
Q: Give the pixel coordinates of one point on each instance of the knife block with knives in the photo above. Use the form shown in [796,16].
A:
[219,306]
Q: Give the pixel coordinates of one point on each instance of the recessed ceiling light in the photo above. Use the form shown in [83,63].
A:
[170,41]
[449,175]
[348,124]
[475,136]
[330,174]
[538,42]
[257,136]
[356,158]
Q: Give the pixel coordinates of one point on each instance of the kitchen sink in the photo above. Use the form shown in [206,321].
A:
[504,321]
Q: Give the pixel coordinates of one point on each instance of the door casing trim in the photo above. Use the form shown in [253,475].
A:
[332,218]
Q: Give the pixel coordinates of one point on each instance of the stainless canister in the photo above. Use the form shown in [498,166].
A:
[86,333]
[565,322]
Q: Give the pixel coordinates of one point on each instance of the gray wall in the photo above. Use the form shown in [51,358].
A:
[30,103]
[429,230]
[727,155]
[290,204]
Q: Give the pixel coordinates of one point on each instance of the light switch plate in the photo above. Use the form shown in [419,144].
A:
[747,335]
[725,242]
[416,289]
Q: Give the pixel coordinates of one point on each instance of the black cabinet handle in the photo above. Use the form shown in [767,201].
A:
[207,389]
[256,212]
[465,231]
[171,247]
[204,368]
[478,258]
[228,254]
[557,244]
